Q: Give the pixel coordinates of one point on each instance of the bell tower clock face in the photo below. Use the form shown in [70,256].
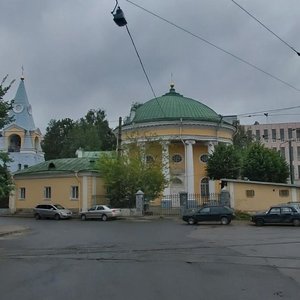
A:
[17,108]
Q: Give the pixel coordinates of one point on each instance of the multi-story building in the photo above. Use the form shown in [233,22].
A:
[282,137]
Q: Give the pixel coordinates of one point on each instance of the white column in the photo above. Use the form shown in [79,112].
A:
[190,166]
[166,165]
[12,201]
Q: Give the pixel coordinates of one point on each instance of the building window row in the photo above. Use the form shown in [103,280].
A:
[74,193]
[283,135]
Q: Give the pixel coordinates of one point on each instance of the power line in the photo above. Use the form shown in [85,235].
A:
[248,13]
[268,111]
[215,46]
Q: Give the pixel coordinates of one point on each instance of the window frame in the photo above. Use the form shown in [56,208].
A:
[74,192]
[47,192]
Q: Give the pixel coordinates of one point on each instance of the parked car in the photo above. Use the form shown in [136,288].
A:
[53,211]
[217,213]
[102,212]
[280,214]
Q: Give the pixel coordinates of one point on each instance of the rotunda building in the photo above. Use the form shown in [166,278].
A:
[181,132]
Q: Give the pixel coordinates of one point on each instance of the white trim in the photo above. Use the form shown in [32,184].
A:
[84,193]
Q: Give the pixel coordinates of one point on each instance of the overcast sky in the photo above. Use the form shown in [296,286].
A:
[76,58]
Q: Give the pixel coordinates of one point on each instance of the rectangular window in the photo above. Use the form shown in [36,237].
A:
[298,134]
[282,134]
[22,193]
[74,192]
[298,172]
[47,192]
[274,138]
[284,193]
[282,152]
[266,135]
[290,133]
[292,153]
[250,193]
[298,153]
[257,135]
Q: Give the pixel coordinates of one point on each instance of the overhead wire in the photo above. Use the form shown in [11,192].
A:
[215,46]
[263,25]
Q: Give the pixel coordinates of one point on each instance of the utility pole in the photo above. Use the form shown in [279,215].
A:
[291,162]
[119,141]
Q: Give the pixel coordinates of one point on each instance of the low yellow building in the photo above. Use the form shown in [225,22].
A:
[72,182]
[252,196]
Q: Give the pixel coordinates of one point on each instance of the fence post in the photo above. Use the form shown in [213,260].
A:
[183,198]
[139,202]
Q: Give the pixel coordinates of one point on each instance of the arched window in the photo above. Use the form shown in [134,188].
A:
[36,144]
[14,143]
[205,187]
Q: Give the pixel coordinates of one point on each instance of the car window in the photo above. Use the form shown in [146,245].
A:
[58,206]
[204,210]
[286,210]
[100,208]
[92,208]
[274,210]
[216,210]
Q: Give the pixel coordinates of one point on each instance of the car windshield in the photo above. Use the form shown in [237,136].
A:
[58,206]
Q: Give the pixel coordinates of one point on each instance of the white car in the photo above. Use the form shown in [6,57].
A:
[102,212]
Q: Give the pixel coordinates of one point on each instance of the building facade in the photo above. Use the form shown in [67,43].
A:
[71,182]
[282,137]
[180,132]
[21,139]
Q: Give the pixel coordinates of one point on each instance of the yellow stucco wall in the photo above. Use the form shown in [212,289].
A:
[177,131]
[264,196]
[60,191]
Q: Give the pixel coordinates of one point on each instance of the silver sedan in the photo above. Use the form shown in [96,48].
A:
[101,212]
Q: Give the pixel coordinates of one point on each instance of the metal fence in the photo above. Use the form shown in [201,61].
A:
[176,204]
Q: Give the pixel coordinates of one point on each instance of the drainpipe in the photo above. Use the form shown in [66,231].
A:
[79,188]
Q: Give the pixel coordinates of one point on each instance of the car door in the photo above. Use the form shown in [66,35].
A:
[203,214]
[92,213]
[286,214]
[100,211]
[273,215]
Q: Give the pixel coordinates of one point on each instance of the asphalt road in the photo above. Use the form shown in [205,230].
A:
[148,259]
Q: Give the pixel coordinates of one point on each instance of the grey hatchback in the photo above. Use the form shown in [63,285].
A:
[53,211]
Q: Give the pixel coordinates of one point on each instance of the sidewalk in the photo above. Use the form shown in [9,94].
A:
[12,229]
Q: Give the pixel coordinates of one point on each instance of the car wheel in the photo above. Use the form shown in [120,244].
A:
[83,217]
[104,218]
[259,222]
[57,217]
[296,222]
[224,221]
[191,221]
[37,216]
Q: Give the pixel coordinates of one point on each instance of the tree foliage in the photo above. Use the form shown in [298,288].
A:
[5,106]
[224,162]
[254,162]
[263,164]
[242,139]
[125,175]
[91,133]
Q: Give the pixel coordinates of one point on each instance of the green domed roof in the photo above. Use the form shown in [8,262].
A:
[173,106]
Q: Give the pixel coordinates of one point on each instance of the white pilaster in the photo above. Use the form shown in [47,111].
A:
[190,166]
[84,194]
[166,165]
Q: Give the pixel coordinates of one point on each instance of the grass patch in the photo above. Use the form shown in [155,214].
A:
[241,215]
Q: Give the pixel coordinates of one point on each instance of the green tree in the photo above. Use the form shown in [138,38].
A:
[242,139]
[6,184]
[5,106]
[56,143]
[224,162]
[263,164]
[125,175]
[91,133]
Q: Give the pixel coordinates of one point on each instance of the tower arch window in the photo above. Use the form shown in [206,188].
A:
[14,143]
[36,143]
